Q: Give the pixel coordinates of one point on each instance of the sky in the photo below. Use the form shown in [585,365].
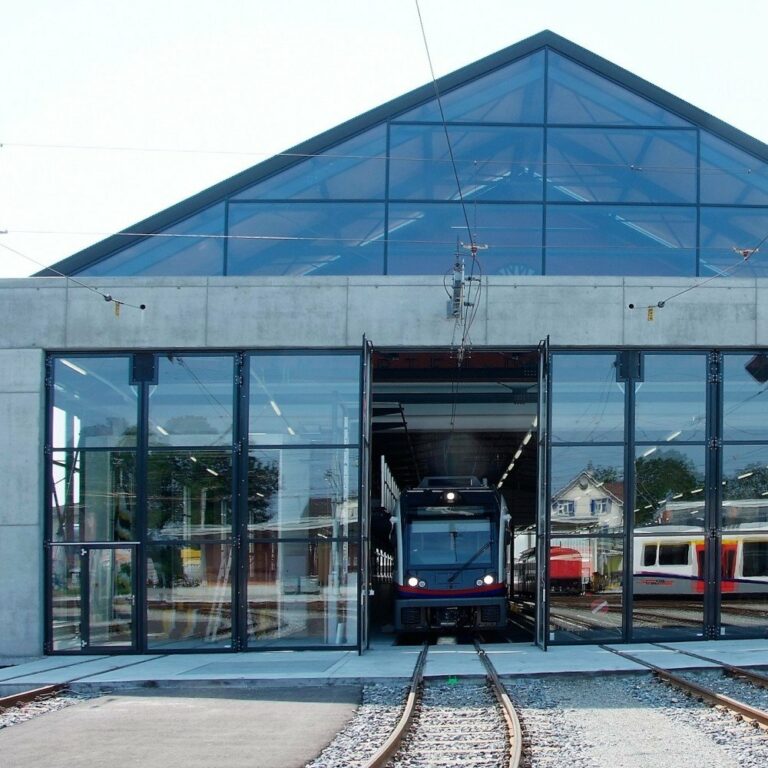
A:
[112,111]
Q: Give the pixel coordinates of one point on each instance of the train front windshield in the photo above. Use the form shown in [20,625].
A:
[449,542]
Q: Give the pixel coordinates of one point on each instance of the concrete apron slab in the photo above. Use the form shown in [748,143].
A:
[271,728]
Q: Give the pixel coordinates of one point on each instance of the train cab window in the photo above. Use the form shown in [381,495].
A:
[674,554]
[649,554]
[755,558]
[447,542]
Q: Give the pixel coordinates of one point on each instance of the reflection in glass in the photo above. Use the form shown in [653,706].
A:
[94,406]
[620,240]
[422,237]
[512,94]
[169,255]
[587,401]
[724,232]
[745,402]
[621,165]
[585,598]
[189,494]
[302,593]
[300,399]
[587,489]
[354,169]
[669,483]
[93,496]
[671,400]
[302,238]
[731,176]
[110,597]
[745,487]
[192,401]
[301,492]
[189,595]
[492,163]
[669,584]
[66,598]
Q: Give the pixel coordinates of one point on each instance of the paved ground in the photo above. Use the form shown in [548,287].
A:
[264,728]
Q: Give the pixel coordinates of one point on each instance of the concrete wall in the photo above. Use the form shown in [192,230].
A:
[40,314]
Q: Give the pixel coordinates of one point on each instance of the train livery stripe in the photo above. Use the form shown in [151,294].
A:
[490,590]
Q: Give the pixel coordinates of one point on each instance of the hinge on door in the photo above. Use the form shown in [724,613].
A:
[710,632]
[83,552]
[713,443]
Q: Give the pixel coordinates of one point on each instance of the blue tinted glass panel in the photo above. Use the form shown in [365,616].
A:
[513,94]
[617,240]
[354,169]
[492,163]
[192,403]
[731,176]
[722,230]
[306,239]
[745,397]
[621,165]
[423,236]
[303,399]
[578,95]
[195,246]
[94,404]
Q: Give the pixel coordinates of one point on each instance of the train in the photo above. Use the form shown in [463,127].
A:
[452,572]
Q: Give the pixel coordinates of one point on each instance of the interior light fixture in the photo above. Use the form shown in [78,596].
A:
[696,490]
[650,451]
[678,496]
[275,408]
[745,475]
[518,454]
[75,368]
[211,472]
[671,437]
[527,438]
[161,430]
[192,458]
[291,432]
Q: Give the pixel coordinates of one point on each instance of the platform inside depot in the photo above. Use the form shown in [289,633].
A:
[380,663]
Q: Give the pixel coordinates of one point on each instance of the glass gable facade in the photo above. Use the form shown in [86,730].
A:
[564,172]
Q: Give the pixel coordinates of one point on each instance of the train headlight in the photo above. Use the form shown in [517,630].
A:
[413,582]
[488,579]
[479,582]
[422,583]
[450,495]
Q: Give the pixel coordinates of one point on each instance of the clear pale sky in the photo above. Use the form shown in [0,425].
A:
[233,82]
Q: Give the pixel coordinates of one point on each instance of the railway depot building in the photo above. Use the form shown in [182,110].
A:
[217,470]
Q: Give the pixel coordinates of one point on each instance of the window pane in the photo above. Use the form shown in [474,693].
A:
[189,494]
[423,238]
[352,170]
[192,401]
[110,597]
[587,489]
[668,590]
[669,482]
[300,399]
[512,94]
[587,401]
[745,402]
[622,166]
[93,496]
[301,492]
[306,239]
[618,240]
[492,163]
[66,598]
[671,401]
[302,593]
[726,229]
[94,406]
[745,488]
[585,599]
[731,176]
[578,95]
[195,246]
[189,595]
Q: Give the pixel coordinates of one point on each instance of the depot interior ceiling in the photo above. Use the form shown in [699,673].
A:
[433,417]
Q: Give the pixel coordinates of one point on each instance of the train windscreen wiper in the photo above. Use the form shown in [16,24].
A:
[469,562]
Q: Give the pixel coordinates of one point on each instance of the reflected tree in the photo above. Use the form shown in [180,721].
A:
[660,478]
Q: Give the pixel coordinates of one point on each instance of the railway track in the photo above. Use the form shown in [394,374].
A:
[757,715]
[25,697]
[448,723]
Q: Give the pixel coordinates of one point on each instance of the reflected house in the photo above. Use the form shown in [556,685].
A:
[197,475]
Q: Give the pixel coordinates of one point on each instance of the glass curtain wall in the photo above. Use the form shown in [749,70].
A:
[302,536]
[586,536]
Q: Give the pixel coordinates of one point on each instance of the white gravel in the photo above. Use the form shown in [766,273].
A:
[20,714]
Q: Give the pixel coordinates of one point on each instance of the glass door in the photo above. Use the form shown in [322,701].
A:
[542,499]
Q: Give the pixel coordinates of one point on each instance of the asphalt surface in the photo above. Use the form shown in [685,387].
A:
[237,728]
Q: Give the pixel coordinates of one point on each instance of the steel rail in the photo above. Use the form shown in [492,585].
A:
[747,674]
[508,709]
[382,756]
[708,695]
[24,697]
